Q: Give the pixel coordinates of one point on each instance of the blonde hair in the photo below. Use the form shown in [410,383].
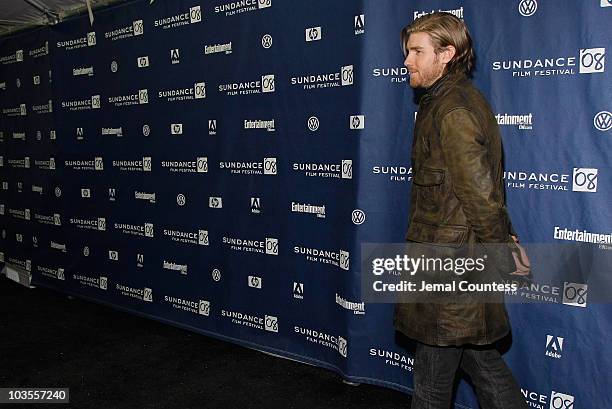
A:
[444,29]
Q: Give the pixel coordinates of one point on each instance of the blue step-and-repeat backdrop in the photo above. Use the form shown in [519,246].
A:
[217,164]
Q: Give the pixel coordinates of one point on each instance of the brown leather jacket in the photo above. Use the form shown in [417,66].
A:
[457,200]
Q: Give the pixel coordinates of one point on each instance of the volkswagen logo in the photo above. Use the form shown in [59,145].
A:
[313,123]
[114,66]
[358,216]
[146,130]
[528,7]
[603,121]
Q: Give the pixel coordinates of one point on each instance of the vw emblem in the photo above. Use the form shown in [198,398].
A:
[180,199]
[114,66]
[528,7]
[266,41]
[603,121]
[216,274]
[58,192]
[86,251]
[358,216]
[146,130]
[313,123]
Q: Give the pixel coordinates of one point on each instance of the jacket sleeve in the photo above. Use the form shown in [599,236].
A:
[465,151]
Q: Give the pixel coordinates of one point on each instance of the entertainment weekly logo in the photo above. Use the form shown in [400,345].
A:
[587,61]
[191,16]
[584,180]
[455,12]
[583,236]
[520,121]
[243,6]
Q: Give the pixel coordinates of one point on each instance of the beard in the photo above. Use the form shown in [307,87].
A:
[425,78]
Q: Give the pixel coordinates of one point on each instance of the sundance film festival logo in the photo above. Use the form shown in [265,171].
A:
[44,108]
[20,214]
[87,41]
[199,307]
[144,294]
[82,104]
[527,8]
[19,163]
[560,400]
[313,34]
[45,164]
[145,230]
[327,80]
[140,97]
[268,246]
[243,6]
[343,170]
[89,224]
[360,24]
[17,56]
[200,165]
[603,121]
[264,85]
[324,339]
[199,237]
[100,282]
[55,273]
[264,323]
[143,165]
[395,74]
[575,294]
[194,15]
[267,167]
[135,29]
[582,180]
[590,61]
[337,258]
[554,346]
[40,51]
[53,219]
[21,110]
[198,91]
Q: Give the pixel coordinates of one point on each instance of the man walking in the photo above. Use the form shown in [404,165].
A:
[457,202]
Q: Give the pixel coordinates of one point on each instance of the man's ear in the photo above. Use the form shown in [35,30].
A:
[447,54]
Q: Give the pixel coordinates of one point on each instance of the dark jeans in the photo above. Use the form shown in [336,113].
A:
[434,376]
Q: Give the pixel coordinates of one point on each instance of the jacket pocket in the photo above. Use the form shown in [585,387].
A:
[428,177]
[442,235]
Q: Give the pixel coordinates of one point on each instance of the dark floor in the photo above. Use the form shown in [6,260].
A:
[111,359]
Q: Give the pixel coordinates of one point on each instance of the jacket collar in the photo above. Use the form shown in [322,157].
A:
[443,84]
